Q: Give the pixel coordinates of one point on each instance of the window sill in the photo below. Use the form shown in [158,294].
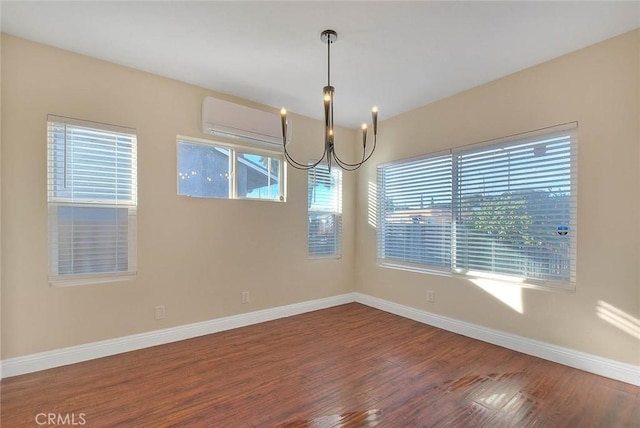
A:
[475,276]
[74,280]
[327,257]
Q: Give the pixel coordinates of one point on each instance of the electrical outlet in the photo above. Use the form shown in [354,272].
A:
[160,312]
[431,296]
[244,297]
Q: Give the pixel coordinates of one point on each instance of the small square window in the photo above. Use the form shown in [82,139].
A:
[203,170]
[210,170]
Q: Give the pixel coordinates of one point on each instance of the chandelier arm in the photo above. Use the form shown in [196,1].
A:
[373,149]
[341,162]
[364,159]
[316,163]
[344,166]
[301,166]
[349,168]
[298,166]
[293,162]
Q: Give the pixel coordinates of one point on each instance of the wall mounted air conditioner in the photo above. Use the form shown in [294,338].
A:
[235,121]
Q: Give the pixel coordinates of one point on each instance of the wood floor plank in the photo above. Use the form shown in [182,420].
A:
[347,366]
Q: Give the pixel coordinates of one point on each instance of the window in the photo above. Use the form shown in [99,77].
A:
[92,200]
[325,212]
[505,208]
[207,170]
[416,199]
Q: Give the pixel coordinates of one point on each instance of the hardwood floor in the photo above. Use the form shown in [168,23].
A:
[347,366]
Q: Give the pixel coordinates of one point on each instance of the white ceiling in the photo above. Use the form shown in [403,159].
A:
[397,55]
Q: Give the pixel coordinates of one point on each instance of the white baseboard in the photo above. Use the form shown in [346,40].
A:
[60,357]
[75,354]
[580,360]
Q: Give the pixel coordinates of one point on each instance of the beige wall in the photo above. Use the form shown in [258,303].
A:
[195,256]
[0,200]
[597,87]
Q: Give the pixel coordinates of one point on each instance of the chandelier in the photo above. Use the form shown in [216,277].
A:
[330,155]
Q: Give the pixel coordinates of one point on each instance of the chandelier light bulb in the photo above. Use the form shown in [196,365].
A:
[374,119]
[364,136]
[283,119]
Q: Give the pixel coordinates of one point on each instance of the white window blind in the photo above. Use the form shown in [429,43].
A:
[516,208]
[325,212]
[92,199]
[415,210]
[507,208]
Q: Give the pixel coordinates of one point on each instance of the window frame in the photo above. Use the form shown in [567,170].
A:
[56,201]
[234,151]
[452,270]
[337,214]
